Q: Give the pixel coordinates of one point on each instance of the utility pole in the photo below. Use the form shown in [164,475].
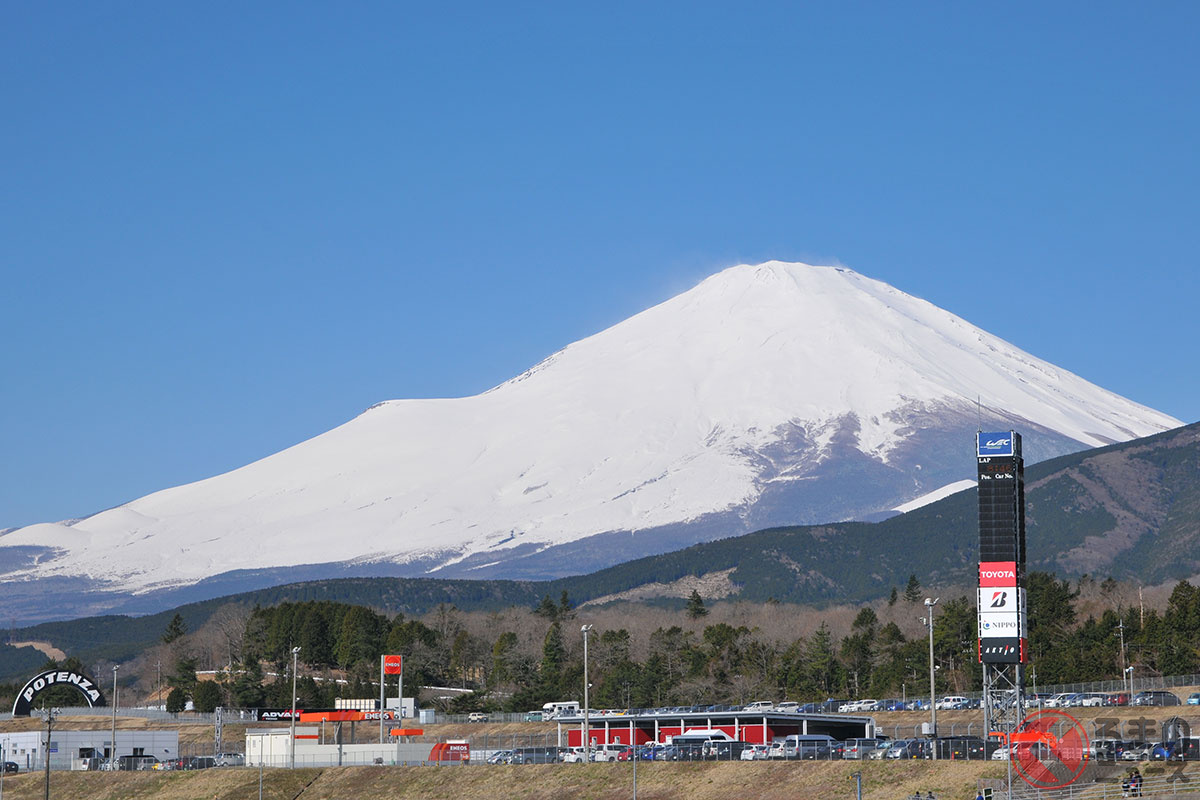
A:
[50,716]
[1121,633]
[158,683]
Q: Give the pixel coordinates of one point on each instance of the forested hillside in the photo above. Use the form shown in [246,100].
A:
[519,659]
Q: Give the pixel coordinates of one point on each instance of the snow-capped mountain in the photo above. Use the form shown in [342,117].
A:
[767,395]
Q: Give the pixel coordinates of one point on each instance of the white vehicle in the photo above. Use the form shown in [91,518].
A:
[698,736]
[775,750]
[573,755]
[1092,699]
[560,710]
[950,701]
[760,705]
[808,746]
[1058,700]
[607,752]
[788,707]
[756,752]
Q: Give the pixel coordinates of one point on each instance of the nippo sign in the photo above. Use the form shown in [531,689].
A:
[393,665]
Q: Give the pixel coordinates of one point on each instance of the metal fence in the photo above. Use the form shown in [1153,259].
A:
[1111,789]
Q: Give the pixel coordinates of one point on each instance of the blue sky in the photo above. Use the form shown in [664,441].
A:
[227,227]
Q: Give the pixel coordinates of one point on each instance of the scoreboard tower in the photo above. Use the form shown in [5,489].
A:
[1002,621]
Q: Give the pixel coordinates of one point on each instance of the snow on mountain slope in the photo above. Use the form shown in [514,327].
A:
[761,379]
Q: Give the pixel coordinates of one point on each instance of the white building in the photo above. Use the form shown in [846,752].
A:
[71,749]
[271,747]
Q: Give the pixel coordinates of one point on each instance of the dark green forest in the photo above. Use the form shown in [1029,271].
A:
[688,663]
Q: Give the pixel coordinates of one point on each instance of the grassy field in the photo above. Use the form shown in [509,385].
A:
[957,780]
[704,781]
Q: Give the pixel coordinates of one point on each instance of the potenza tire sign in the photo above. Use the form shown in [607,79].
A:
[48,680]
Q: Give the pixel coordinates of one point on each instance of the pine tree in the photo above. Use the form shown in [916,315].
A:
[554,655]
[206,697]
[547,609]
[695,606]
[892,597]
[174,630]
[176,701]
[912,592]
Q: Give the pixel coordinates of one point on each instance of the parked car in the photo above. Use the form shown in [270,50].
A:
[1117,699]
[856,749]
[607,752]
[1108,749]
[1038,750]
[962,748]
[756,752]
[787,707]
[1155,697]
[231,760]
[477,716]
[1194,699]
[723,751]
[198,762]
[908,749]
[1137,751]
[950,702]
[501,757]
[1165,751]
[534,755]
[1092,699]
[11,768]
[760,705]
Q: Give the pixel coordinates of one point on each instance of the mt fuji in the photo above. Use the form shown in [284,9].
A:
[769,394]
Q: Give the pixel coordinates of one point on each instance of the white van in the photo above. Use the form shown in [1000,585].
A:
[607,752]
[759,705]
[813,746]
[950,701]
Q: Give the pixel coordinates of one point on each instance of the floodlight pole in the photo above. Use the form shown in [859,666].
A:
[295,656]
[929,604]
[587,755]
[112,756]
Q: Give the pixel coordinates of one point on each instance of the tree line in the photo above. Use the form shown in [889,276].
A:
[519,660]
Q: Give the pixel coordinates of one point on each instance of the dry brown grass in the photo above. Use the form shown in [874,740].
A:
[764,781]
[768,781]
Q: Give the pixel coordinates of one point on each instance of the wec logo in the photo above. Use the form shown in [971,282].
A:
[997,442]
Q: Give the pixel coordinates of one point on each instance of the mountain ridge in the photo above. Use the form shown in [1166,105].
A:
[769,394]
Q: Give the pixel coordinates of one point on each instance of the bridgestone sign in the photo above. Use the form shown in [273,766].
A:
[23,707]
